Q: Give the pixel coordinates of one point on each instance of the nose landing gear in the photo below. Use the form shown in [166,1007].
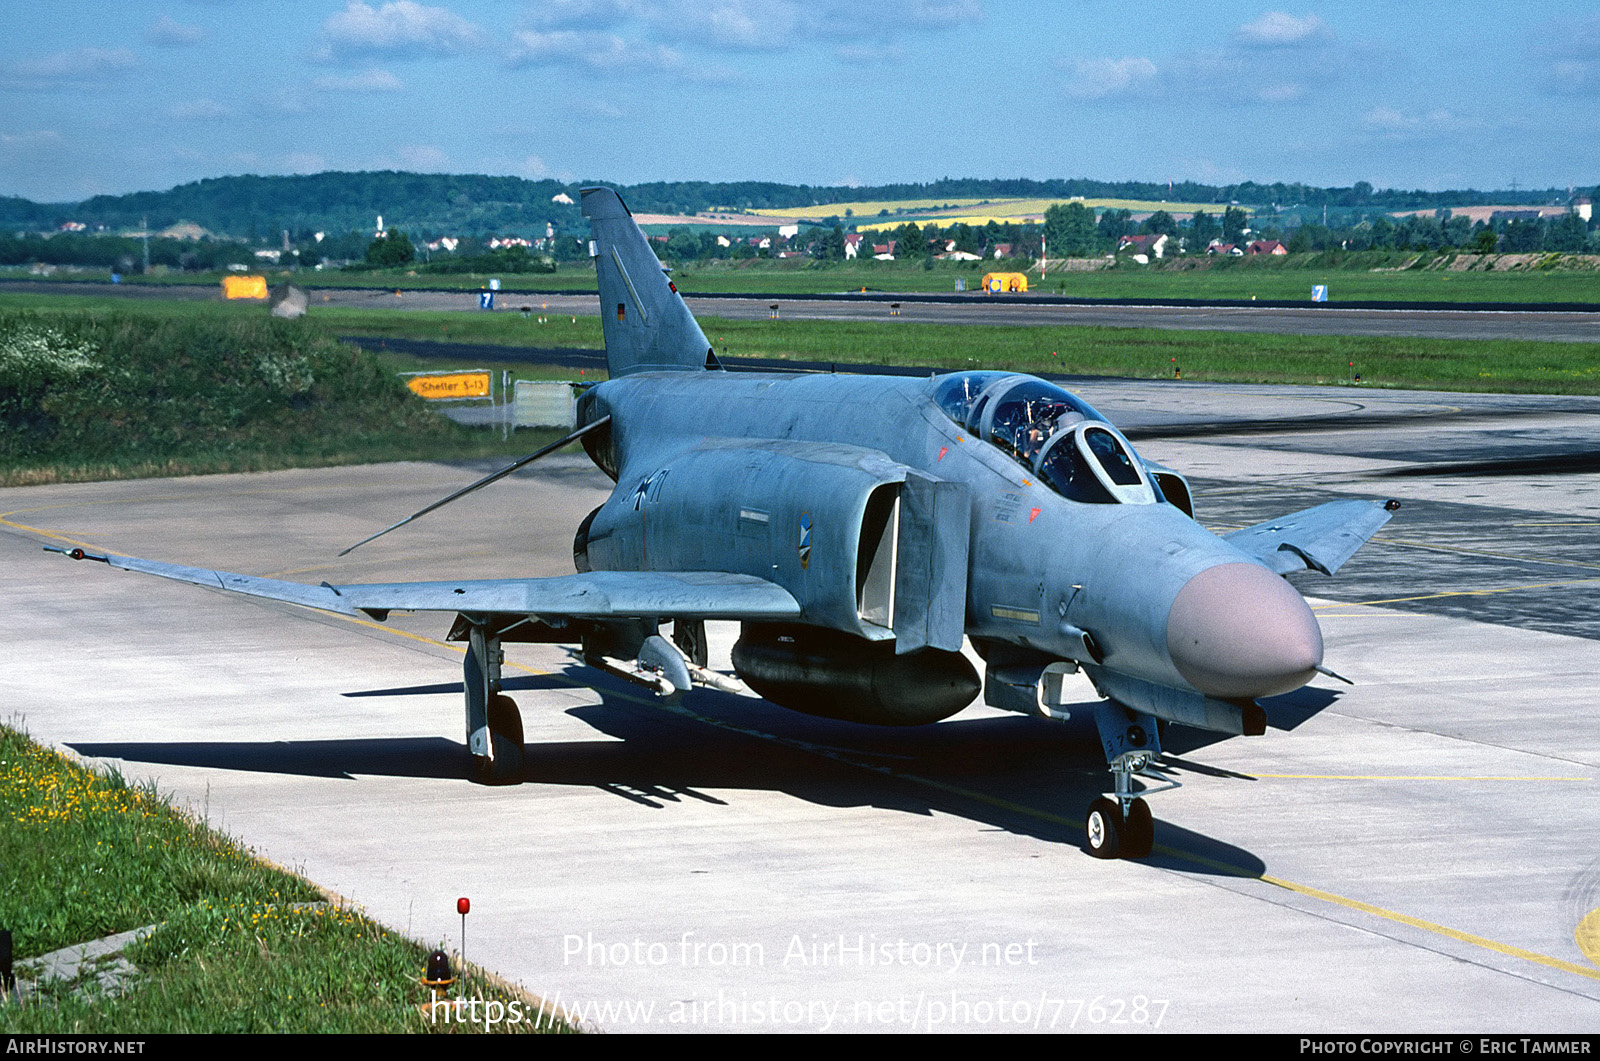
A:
[1119,824]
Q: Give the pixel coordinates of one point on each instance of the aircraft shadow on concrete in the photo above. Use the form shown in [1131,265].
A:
[1013,773]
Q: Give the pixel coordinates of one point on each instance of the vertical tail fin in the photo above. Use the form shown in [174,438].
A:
[647,326]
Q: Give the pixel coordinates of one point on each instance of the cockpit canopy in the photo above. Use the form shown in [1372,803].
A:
[1057,435]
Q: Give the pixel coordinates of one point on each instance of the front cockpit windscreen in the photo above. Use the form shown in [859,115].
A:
[1056,434]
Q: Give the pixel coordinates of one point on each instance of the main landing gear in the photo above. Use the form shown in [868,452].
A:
[494,726]
[1119,824]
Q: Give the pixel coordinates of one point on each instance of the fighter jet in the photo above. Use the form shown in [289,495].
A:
[861,529]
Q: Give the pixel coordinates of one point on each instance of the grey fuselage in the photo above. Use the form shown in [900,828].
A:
[1041,569]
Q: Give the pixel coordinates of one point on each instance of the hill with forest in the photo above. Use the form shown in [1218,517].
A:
[256,208]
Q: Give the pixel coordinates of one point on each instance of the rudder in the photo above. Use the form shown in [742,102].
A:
[648,328]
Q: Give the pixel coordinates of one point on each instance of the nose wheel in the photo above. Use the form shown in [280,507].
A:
[1119,824]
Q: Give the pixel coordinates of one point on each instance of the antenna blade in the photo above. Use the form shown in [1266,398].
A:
[486,480]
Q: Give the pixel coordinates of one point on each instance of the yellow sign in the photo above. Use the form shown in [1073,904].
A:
[244,287]
[451,385]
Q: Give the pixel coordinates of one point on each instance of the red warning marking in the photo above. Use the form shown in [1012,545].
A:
[942,451]
[1033,515]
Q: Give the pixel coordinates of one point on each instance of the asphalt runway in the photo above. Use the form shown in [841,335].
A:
[1325,319]
[1417,852]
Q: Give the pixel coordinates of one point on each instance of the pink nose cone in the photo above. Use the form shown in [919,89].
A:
[1240,631]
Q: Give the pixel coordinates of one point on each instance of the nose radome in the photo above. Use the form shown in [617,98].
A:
[1238,630]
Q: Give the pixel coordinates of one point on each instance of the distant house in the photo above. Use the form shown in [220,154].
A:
[1266,246]
[1584,206]
[852,244]
[1216,246]
[1154,246]
[1002,250]
[1516,215]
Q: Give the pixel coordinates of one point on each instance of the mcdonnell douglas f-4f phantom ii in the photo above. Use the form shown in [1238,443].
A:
[859,528]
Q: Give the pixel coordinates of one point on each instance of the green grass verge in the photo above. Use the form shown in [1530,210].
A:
[1151,353]
[85,855]
[1395,276]
[175,388]
[1148,353]
[1154,353]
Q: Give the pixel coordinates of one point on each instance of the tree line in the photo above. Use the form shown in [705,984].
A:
[259,208]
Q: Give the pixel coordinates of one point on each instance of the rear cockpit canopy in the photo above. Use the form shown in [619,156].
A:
[1055,434]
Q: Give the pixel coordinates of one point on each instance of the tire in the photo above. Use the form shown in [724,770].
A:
[1138,831]
[505,735]
[1103,829]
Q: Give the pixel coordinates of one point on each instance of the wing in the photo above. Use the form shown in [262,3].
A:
[1320,538]
[591,595]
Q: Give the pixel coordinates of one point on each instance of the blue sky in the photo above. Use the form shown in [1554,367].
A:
[114,98]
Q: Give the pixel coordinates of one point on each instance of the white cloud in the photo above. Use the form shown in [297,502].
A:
[424,157]
[369,80]
[597,108]
[400,27]
[304,162]
[1387,119]
[870,54]
[1237,73]
[1573,58]
[33,138]
[1100,78]
[79,66]
[166,32]
[755,24]
[1276,29]
[1393,124]
[533,167]
[199,110]
[597,51]
[1229,77]
[1574,77]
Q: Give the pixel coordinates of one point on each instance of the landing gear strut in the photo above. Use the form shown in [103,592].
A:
[1119,824]
[494,726]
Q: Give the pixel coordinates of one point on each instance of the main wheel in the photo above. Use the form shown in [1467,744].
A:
[505,737]
[1138,831]
[1104,828]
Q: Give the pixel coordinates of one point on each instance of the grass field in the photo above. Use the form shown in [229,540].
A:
[1149,353]
[1449,364]
[239,945]
[1290,278]
[1373,276]
[865,208]
[949,211]
[179,388]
